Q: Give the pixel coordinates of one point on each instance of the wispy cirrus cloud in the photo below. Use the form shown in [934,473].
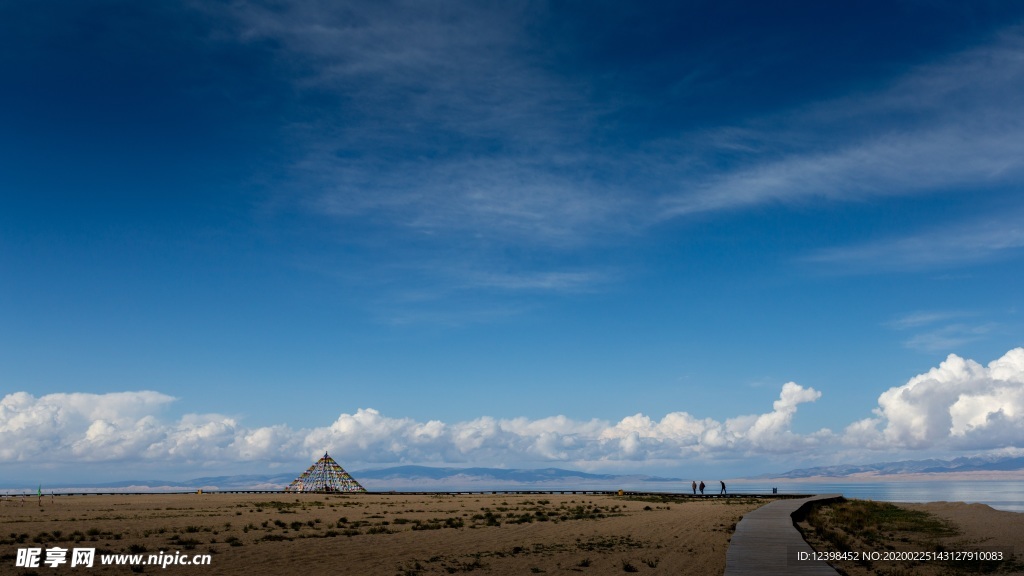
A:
[942,126]
[445,138]
[923,318]
[548,281]
[446,118]
[941,331]
[514,198]
[949,337]
[925,161]
[450,126]
[959,244]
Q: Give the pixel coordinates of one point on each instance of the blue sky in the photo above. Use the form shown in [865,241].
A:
[586,235]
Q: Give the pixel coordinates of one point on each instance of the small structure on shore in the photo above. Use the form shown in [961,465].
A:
[325,475]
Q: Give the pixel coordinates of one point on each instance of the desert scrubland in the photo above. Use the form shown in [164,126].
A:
[272,534]
[395,534]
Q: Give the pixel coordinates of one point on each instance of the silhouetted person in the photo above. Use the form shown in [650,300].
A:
[694,484]
[723,486]
[701,487]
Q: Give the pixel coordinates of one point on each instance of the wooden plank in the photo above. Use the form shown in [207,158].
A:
[767,542]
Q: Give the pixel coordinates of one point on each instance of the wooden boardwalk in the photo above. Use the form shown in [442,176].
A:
[766,542]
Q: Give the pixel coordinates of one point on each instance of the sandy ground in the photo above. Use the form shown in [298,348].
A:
[277,534]
[980,523]
[982,527]
[961,528]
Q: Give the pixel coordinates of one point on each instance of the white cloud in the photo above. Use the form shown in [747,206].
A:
[679,431]
[958,405]
[937,331]
[267,443]
[424,88]
[37,429]
[942,246]
[472,76]
[948,337]
[369,437]
[553,281]
[940,126]
[921,318]
[451,129]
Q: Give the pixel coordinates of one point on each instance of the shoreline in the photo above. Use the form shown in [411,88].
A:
[1002,494]
[973,475]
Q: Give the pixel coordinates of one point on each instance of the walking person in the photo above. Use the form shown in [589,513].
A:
[723,487]
[701,487]
[694,486]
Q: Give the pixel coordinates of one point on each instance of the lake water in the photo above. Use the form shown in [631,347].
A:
[999,494]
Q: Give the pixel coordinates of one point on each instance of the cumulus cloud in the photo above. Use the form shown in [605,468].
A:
[125,426]
[639,436]
[80,425]
[958,405]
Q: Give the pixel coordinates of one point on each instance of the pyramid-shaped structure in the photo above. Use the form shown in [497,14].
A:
[325,475]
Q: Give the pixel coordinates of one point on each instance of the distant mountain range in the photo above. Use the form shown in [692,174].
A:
[396,478]
[515,475]
[933,466]
[240,482]
[407,478]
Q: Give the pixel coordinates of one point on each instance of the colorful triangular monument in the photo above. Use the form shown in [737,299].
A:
[325,475]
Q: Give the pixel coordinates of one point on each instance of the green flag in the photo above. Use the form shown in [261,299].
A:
[39,492]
